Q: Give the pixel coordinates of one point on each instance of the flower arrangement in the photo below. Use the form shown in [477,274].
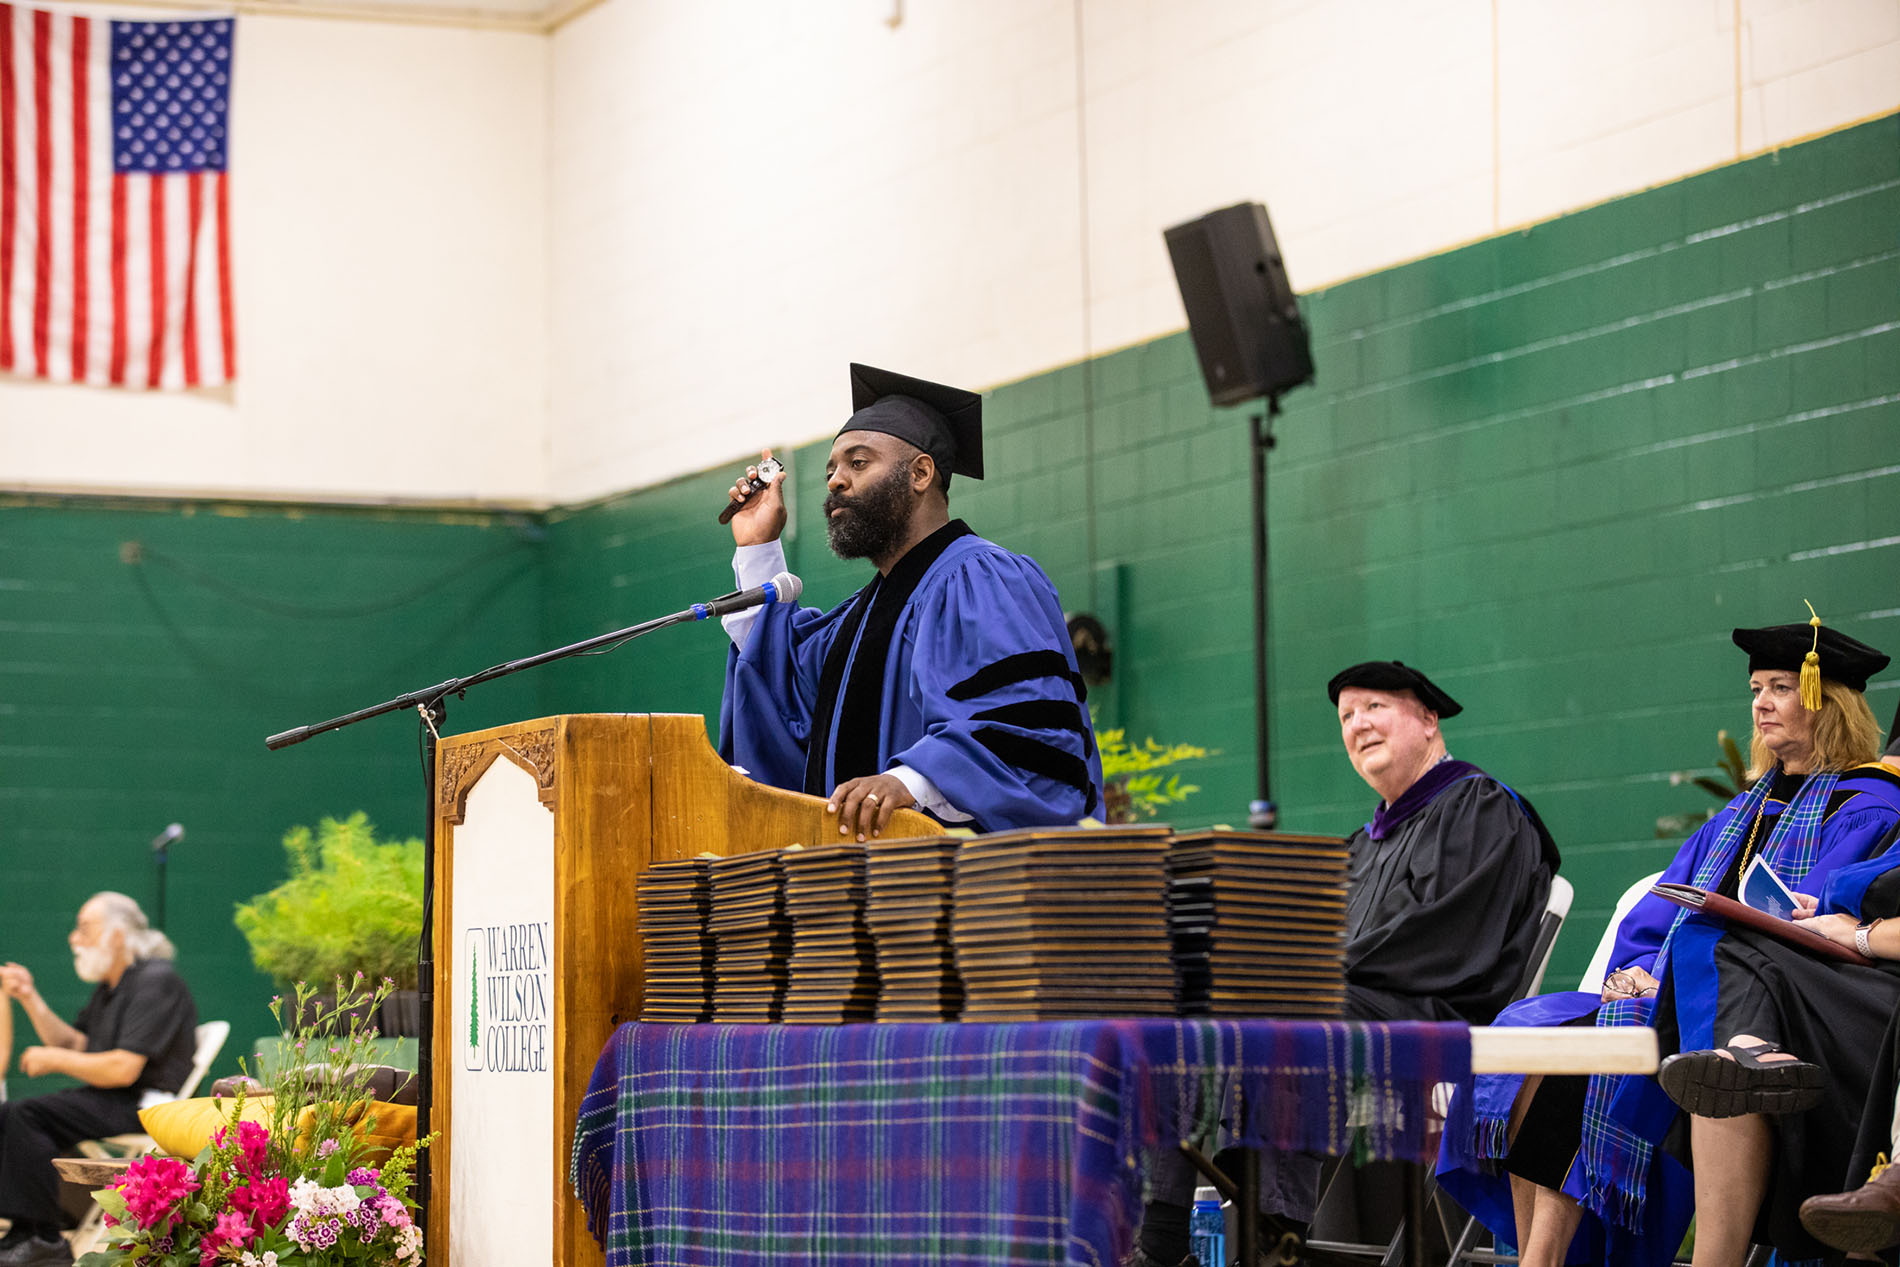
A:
[296,1190]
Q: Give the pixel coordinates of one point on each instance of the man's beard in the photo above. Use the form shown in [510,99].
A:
[92,963]
[874,521]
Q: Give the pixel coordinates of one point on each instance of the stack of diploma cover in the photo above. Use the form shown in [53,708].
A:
[908,908]
[1258,924]
[752,938]
[672,898]
[833,968]
[1052,925]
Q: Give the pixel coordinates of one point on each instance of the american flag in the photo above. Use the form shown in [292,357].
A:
[115,223]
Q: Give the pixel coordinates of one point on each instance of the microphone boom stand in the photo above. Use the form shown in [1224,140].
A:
[432,703]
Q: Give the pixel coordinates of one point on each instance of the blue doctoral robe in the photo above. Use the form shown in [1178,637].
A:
[957,665]
[1863,808]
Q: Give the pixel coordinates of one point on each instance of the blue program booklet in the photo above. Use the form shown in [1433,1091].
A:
[1763,890]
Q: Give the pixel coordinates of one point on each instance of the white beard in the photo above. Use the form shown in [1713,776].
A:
[92,963]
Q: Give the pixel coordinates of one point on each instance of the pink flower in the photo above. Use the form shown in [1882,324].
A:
[232,1229]
[153,1187]
[395,1213]
[253,1139]
[265,1201]
[327,1147]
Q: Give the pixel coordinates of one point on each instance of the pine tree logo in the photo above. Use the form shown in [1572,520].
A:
[472,1053]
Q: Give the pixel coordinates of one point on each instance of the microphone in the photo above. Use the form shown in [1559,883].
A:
[170,836]
[783,588]
[766,470]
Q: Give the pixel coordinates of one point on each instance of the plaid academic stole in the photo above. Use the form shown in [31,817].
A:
[1615,1159]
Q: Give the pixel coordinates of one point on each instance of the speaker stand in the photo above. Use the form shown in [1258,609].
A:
[1262,813]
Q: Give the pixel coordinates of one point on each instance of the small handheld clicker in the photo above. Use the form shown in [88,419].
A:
[766,470]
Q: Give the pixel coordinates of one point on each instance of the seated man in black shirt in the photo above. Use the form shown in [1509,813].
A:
[131,1044]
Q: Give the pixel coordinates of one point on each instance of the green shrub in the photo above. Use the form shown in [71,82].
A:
[352,903]
[1133,788]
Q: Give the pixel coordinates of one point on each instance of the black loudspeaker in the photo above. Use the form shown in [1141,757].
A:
[1242,313]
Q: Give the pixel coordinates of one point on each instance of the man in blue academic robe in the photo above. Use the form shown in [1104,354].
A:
[948,683]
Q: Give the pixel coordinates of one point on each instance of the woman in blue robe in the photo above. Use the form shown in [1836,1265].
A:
[1579,1166]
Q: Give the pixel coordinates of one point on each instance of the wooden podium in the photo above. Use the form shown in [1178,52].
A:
[541,829]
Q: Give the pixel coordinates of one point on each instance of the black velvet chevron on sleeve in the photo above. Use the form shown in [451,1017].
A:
[1038,757]
[1024,666]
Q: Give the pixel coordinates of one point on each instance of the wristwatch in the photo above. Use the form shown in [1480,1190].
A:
[1860,937]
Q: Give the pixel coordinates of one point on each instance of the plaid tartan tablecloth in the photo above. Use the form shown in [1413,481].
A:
[744,1145]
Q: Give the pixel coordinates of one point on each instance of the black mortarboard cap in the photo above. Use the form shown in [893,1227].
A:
[1393,675]
[1841,658]
[945,422]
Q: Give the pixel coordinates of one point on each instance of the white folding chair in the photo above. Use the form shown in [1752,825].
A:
[1592,982]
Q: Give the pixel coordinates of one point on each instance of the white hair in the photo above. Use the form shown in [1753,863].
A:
[142,941]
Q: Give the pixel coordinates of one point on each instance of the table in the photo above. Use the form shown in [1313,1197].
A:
[937,1144]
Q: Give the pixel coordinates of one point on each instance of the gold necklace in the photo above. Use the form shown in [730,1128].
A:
[1748,846]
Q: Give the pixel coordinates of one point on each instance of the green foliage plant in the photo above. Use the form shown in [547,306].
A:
[1728,781]
[1132,772]
[352,904]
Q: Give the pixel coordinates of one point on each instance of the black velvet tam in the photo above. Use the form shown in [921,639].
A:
[1785,647]
[1394,675]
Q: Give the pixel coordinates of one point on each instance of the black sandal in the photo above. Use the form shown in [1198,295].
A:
[1709,1084]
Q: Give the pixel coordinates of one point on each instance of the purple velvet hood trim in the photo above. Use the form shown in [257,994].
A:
[1415,798]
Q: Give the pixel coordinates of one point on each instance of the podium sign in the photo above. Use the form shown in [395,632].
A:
[542,828]
[503,1006]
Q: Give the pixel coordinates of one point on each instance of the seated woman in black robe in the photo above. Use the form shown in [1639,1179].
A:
[1776,1109]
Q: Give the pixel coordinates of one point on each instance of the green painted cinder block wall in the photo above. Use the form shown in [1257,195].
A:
[1554,468]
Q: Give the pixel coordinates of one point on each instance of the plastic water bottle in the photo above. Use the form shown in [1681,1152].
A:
[1207,1229]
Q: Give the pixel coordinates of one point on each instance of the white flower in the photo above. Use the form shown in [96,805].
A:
[323,1203]
[303,1195]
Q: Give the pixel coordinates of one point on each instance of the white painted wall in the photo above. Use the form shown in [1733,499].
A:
[746,196]
[546,268]
[390,257]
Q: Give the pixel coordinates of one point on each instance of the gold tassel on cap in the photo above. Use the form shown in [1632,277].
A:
[1811,666]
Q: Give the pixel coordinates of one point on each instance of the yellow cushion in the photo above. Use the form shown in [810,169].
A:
[395,1126]
[183,1127]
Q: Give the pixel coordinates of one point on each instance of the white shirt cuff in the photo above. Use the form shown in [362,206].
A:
[925,793]
[752,565]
